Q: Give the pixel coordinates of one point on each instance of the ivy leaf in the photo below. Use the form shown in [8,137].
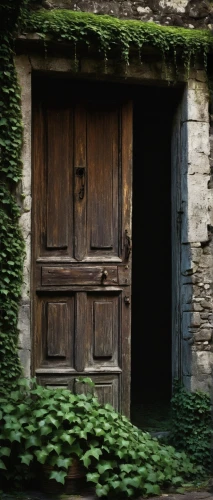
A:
[92,477]
[63,462]
[45,430]
[2,466]
[5,451]
[3,121]
[66,438]
[156,458]
[103,467]
[40,413]
[15,436]
[41,456]
[32,441]
[126,468]
[93,452]
[102,490]
[51,420]
[54,447]
[59,476]
[26,458]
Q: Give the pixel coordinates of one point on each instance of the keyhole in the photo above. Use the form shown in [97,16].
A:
[80,171]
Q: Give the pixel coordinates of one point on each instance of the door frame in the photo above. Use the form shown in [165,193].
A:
[150,73]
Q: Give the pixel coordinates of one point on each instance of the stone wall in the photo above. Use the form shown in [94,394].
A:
[24,74]
[197,244]
[187,13]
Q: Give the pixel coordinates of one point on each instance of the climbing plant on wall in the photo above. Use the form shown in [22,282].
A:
[11,241]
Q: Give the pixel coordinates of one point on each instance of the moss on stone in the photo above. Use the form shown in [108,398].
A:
[107,33]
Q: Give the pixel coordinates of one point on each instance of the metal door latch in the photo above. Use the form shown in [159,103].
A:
[127,300]
[104,275]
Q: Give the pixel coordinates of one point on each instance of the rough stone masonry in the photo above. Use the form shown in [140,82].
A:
[186,13]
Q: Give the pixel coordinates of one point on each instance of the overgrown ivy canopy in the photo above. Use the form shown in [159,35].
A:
[107,32]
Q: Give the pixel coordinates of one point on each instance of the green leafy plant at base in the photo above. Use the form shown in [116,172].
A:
[53,426]
[191,424]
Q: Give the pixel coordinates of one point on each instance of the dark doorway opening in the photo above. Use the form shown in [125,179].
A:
[151,257]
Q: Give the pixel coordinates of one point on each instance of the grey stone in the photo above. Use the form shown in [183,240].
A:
[203,335]
[206,304]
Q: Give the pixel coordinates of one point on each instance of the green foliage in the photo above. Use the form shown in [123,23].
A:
[191,426]
[11,242]
[52,426]
[107,33]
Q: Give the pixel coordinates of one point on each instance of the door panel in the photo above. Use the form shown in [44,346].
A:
[103,331]
[82,229]
[102,153]
[55,331]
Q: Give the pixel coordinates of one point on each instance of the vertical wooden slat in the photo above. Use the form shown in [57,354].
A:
[38,217]
[80,330]
[126,156]
[126,149]
[57,329]
[103,329]
[39,178]
[100,149]
[80,197]
[58,177]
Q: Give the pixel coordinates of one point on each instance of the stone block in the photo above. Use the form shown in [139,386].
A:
[206,262]
[24,326]
[202,363]
[197,307]
[25,358]
[196,105]
[206,304]
[203,335]
[196,215]
[201,383]
[179,6]
[195,319]
[195,148]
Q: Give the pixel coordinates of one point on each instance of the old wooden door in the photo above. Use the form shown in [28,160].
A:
[81,232]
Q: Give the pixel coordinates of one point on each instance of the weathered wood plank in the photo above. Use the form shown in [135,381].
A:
[58,164]
[80,330]
[102,146]
[57,329]
[59,276]
[80,182]
[103,329]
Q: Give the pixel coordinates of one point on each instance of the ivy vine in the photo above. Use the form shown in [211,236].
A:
[106,33]
[11,241]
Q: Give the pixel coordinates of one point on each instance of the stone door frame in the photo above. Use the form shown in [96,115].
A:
[191,205]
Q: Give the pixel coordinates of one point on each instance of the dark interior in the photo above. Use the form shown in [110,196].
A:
[151,247]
